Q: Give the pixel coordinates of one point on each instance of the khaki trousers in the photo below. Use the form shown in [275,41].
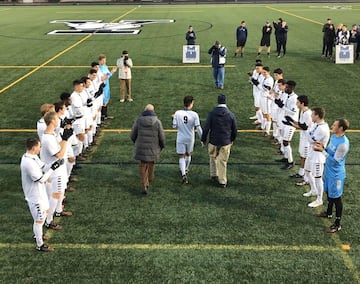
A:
[125,86]
[146,173]
[219,155]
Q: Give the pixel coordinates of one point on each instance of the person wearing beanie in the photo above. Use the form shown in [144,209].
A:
[218,55]
[221,127]
[124,64]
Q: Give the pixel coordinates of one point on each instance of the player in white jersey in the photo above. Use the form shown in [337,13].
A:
[279,94]
[52,149]
[41,125]
[186,121]
[314,164]
[290,110]
[278,75]
[255,78]
[33,179]
[265,100]
[305,122]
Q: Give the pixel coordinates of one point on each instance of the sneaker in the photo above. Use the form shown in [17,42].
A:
[256,122]
[69,189]
[323,215]
[53,226]
[222,185]
[109,117]
[296,176]
[73,179]
[333,228]
[44,248]
[144,191]
[253,117]
[122,100]
[214,179]
[185,179]
[315,203]
[282,160]
[130,100]
[288,166]
[301,183]
[63,214]
[309,194]
[44,237]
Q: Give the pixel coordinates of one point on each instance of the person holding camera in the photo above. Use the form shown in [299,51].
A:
[218,55]
[124,63]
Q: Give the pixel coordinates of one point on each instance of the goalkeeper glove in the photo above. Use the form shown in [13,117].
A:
[68,132]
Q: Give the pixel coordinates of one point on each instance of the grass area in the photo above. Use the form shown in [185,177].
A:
[258,231]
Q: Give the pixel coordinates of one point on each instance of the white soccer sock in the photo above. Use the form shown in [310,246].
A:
[288,152]
[187,162]
[320,188]
[86,141]
[301,171]
[259,115]
[52,203]
[275,130]
[90,136]
[311,181]
[182,166]
[267,126]
[38,232]
[263,122]
[59,204]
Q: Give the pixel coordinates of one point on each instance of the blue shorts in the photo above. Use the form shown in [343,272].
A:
[334,187]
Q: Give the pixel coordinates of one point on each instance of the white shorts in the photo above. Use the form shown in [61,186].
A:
[79,126]
[39,211]
[265,105]
[304,148]
[316,169]
[182,148]
[59,180]
[288,132]
[256,99]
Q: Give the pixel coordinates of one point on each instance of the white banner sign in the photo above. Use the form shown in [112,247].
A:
[191,54]
[344,54]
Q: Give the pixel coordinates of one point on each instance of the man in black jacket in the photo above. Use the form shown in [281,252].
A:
[222,126]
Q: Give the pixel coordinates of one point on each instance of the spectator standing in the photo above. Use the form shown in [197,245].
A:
[218,55]
[265,39]
[325,29]
[241,37]
[221,126]
[148,135]
[190,36]
[124,63]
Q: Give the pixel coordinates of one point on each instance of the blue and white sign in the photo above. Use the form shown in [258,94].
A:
[344,54]
[191,53]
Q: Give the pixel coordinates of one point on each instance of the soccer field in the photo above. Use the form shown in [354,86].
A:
[259,230]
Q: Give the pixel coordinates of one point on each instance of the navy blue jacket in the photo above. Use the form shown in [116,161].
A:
[222,125]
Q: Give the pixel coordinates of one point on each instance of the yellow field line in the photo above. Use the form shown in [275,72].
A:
[56,56]
[344,254]
[134,67]
[293,15]
[179,247]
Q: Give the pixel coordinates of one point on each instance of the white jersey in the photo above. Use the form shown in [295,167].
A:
[318,133]
[260,78]
[77,104]
[31,172]
[305,117]
[290,107]
[186,121]
[49,148]
[40,127]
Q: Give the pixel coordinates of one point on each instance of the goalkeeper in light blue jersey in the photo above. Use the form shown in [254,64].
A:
[336,153]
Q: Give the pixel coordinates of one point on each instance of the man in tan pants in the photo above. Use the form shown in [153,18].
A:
[124,63]
[221,126]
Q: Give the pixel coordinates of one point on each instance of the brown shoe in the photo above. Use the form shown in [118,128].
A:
[63,214]
[89,150]
[44,248]
[80,158]
[69,189]
[73,179]
[53,226]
